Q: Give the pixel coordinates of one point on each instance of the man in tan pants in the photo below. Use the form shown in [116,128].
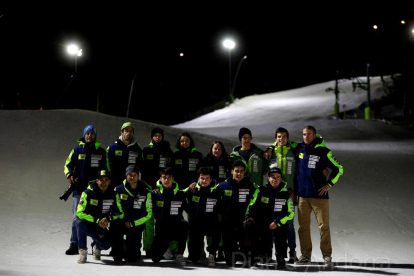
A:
[313,157]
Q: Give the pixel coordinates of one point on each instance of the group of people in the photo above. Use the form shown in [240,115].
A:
[241,203]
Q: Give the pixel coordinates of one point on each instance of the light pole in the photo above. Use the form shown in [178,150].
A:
[130,94]
[229,44]
[74,50]
[235,79]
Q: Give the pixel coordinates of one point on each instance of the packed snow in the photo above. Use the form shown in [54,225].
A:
[371,207]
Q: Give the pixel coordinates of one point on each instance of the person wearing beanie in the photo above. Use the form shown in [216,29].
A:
[81,167]
[135,197]
[90,133]
[123,152]
[98,208]
[257,165]
[266,220]
[156,157]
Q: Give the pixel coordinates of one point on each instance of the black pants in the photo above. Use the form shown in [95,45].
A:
[133,238]
[235,243]
[197,232]
[260,239]
[164,234]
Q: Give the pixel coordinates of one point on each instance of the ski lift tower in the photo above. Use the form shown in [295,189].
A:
[365,86]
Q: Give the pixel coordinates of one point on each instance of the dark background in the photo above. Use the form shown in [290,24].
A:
[287,47]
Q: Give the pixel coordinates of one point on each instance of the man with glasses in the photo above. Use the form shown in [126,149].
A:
[256,165]
[125,151]
[236,195]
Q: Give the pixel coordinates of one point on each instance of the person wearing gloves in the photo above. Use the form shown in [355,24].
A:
[81,166]
[136,202]
[266,220]
[98,206]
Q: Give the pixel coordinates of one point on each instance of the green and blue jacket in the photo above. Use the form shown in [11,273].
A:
[235,199]
[312,159]
[95,205]
[120,157]
[168,205]
[271,205]
[256,167]
[136,203]
[84,162]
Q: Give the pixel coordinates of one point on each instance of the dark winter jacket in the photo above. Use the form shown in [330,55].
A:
[235,199]
[204,204]
[312,160]
[120,157]
[156,156]
[221,167]
[185,163]
[256,166]
[136,203]
[168,205]
[284,158]
[95,205]
[271,205]
[84,162]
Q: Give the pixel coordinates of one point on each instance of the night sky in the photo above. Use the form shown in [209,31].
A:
[287,47]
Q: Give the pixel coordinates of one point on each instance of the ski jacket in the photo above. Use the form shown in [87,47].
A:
[221,167]
[136,203]
[235,199]
[84,162]
[256,166]
[271,205]
[95,205]
[120,157]
[312,159]
[168,205]
[284,158]
[156,156]
[204,204]
[185,163]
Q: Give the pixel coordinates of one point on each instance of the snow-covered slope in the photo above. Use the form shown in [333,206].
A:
[371,206]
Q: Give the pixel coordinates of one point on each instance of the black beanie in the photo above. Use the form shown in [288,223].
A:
[244,131]
[274,170]
[157,130]
[130,169]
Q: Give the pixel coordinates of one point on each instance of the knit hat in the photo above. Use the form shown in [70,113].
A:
[90,128]
[274,170]
[103,173]
[157,130]
[244,131]
[127,124]
[130,169]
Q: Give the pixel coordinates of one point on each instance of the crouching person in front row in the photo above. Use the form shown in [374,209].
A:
[168,205]
[98,206]
[135,196]
[266,219]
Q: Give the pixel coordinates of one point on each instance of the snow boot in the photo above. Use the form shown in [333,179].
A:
[82,256]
